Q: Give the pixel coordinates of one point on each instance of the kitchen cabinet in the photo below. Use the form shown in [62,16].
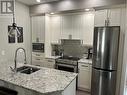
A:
[70,25]
[38,59]
[38,29]
[50,63]
[100,17]
[84,77]
[66,26]
[88,28]
[79,26]
[111,16]
[55,28]
[115,17]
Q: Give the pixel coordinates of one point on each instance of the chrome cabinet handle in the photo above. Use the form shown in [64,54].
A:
[37,65]
[38,55]
[38,59]
[84,66]
[50,61]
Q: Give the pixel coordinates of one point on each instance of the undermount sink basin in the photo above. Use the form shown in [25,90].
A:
[27,69]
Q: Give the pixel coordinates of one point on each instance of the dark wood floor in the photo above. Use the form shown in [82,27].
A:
[82,93]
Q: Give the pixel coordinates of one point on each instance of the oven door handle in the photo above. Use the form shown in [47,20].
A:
[71,66]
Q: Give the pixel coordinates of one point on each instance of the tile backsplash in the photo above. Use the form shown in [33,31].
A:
[71,49]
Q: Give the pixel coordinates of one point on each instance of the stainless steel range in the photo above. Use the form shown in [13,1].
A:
[67,63]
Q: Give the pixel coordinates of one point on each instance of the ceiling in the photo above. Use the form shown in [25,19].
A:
[32,2]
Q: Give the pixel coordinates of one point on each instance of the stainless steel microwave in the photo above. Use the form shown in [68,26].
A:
[38,47]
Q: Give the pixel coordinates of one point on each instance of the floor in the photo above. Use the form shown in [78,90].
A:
[82,93]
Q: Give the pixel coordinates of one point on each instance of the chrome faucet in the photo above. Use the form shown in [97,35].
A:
[15,60]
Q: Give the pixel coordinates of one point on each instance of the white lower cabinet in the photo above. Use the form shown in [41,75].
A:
[38,59]
[50,63]
[84,77]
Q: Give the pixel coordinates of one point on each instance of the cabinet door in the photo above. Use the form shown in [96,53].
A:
[34,28]
[38,28]
[84,78]
[88,28]
[100,17]
[55,22]
[115,17]
[66,26]
[77,26]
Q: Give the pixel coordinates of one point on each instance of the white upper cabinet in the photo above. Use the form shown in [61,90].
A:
[115,17]
[100,17]
[66,26]
[110,16]
[88,28]
[38,28]
[55,23]
[79,26]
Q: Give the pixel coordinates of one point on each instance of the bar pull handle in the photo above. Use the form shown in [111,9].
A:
[38,59]
[84,66]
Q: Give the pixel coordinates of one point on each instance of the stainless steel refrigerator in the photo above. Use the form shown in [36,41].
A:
[105,60]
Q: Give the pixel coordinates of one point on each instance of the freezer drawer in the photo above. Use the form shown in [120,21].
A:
[103,82]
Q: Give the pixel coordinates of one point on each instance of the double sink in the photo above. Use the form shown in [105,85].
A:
[27,69]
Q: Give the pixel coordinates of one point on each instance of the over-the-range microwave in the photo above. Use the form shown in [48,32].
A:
[38,47]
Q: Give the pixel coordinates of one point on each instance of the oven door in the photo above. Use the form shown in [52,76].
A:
[65,67]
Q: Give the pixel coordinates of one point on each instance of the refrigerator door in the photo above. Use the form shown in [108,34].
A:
[105,47]
[103,82]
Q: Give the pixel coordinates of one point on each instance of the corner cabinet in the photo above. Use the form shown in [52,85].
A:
[84,77]
[110,16]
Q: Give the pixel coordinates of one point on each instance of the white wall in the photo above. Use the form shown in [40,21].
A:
[124,66]
[23,20]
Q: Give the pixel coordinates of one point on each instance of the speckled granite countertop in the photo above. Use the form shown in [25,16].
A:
[43,81]
[85,61]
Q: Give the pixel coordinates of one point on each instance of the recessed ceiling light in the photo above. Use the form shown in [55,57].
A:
[51,13]
[87,9]
[38,0]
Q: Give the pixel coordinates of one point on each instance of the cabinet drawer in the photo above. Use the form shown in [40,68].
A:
[84,66]
[38,58]
[50,63]
[84,77]
[37,54]
[37,63]
[50,60]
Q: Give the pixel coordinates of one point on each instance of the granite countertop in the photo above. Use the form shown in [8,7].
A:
[52,57]
[85,61]
[43,81]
